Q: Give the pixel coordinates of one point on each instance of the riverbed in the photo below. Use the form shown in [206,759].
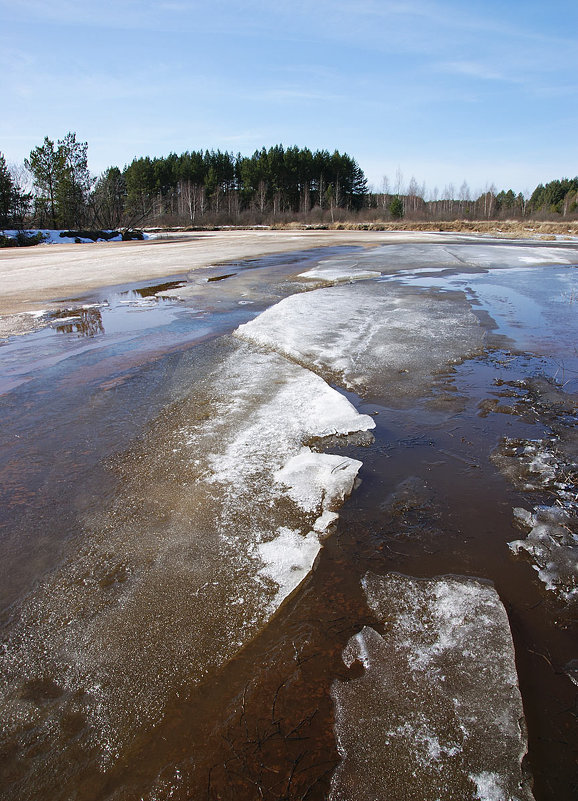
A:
[214,483]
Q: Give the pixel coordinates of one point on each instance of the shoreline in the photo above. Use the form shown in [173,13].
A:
[30,276]
[48,277]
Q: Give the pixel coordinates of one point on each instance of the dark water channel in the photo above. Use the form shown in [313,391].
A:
[430,502]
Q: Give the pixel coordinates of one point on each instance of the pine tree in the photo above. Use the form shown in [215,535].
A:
[75,183]
[62,180]
[47,165]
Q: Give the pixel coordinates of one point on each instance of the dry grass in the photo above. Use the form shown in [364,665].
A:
[509,229]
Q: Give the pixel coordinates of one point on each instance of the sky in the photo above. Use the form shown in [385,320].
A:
[439,90]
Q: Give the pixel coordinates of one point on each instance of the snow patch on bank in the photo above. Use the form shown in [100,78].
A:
[55,237]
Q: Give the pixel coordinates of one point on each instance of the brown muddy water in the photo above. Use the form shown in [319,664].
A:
[102,393]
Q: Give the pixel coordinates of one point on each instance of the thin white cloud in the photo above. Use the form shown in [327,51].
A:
[446,15]
[178,7]
[396,77]
[557,90]
[282,95]
[316,72]
[473,69]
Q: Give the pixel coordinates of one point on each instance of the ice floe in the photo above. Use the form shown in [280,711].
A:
[339,270]
[385,336]
[473,257]
[437,712]
[288,559]
[318,480]
[545,467]
[519,255]
[552,545]
[531,464]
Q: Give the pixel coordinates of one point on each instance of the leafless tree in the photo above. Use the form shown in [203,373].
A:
[385,193]
[411,198]
[489,201]
[261,196]
[305,199]
[398,182]
[464,197]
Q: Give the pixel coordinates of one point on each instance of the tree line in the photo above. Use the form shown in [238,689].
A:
[210,187]
[194,187]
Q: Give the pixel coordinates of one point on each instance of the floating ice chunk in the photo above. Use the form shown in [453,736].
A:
[316,480]
[359,647]
[552,541]
[552,547]
[524,517]
[295,406]
[437,713]
[324,521]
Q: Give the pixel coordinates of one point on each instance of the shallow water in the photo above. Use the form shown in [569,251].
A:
[73,395]
[535,308]
[431,502]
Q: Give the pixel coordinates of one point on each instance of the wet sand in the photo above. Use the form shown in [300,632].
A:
[32,277]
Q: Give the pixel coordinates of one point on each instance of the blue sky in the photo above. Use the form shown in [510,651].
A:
[444,91]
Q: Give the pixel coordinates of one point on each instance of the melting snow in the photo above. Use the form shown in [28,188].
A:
[52,237]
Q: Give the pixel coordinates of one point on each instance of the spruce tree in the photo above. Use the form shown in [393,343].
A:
[396,208]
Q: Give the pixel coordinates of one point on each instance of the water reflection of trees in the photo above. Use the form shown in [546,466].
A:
[86,323]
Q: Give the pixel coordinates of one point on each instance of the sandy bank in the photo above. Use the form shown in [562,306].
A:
[32,277]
